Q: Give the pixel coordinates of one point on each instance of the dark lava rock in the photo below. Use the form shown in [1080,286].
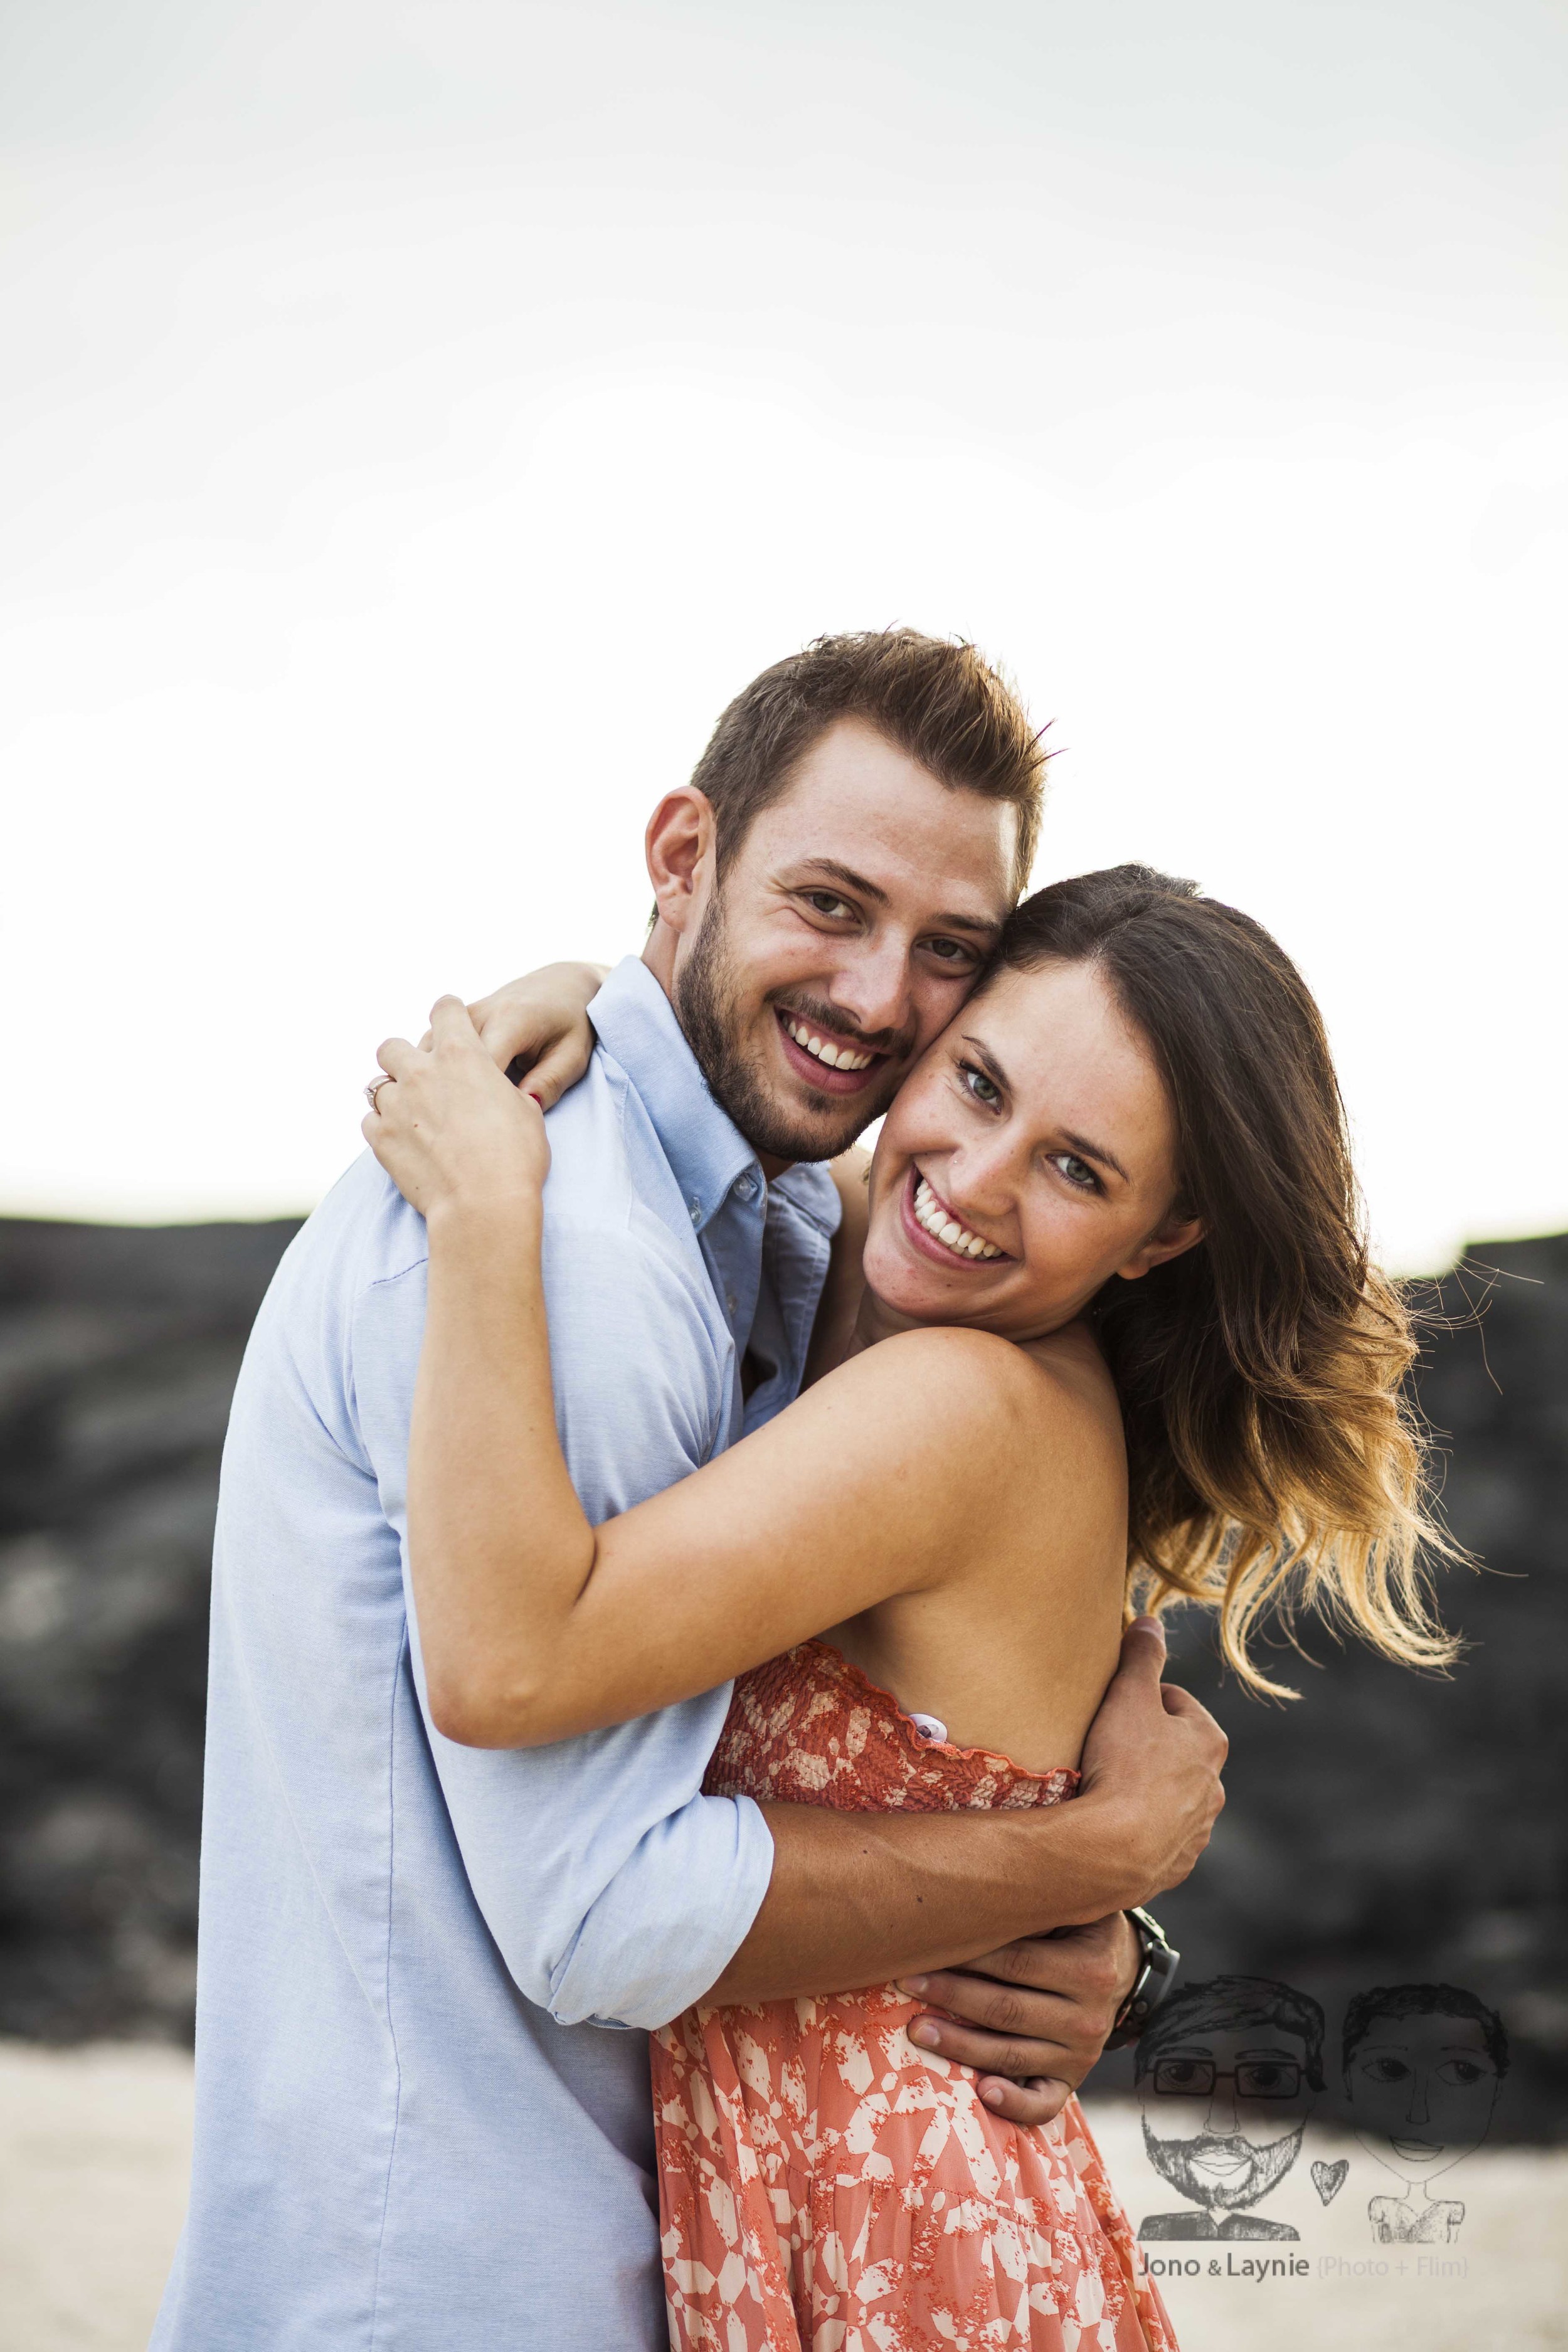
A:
[119,1350]
[1388,1828]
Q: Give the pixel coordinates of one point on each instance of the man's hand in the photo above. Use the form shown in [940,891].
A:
[1033,2018]
[1151,1772]
[858,1898]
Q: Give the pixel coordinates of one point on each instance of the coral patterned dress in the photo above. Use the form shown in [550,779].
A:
[824,2185]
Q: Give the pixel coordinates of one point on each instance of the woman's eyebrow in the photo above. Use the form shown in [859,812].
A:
[1097,1151]
[993,1068]
[1079,1143]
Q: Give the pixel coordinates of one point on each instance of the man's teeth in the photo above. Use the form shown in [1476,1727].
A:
[929,1213]
[837,1057]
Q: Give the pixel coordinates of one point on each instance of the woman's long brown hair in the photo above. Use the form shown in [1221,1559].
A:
[1272,1459]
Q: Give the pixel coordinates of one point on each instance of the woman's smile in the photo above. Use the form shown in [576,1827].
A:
[1033,1147]
[937,1231]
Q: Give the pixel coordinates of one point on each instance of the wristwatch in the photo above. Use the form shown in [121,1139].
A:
[1152,1982]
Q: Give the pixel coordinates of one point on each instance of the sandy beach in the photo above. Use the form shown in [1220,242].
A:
[95,2146]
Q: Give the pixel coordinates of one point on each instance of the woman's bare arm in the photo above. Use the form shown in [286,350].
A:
[536,1625]
[884,1478]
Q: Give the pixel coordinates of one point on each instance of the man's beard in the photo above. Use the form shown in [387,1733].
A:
[1173,2159]
[704,998]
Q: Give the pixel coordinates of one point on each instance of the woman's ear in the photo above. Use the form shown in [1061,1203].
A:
[1166,1242]
[680,848]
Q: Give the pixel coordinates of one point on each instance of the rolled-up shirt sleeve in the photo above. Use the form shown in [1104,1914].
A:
[616,1893]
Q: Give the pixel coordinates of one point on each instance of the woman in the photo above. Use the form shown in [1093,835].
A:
[1119,1341]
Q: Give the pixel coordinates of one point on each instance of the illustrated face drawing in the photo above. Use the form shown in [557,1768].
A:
[1227,2077]
[1422,2076]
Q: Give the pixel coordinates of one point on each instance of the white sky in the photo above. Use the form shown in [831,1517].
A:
[416,421]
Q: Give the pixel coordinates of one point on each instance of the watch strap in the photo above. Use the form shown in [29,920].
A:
[1153,1980]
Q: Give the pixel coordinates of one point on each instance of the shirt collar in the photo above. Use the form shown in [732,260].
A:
[707,1152]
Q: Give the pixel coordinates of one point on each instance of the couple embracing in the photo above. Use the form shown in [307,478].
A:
[672,1577]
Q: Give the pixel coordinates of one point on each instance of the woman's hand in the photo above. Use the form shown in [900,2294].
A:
[537,1028]
[449,1128]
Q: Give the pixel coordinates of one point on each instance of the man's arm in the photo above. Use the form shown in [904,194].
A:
[861,1898]
[857,1899]
[614,1891]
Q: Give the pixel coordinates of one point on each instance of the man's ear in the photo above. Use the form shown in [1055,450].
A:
[1168,1241]
[682,853]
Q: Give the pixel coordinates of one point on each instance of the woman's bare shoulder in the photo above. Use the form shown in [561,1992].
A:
[974,1390]
[1071,1360]
[976,1450]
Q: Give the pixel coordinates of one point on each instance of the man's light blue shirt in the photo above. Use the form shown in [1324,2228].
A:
[413,2131]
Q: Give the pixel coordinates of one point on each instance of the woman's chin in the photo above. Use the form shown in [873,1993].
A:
[917,1292]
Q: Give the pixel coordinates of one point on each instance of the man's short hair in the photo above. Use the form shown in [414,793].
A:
[1421,2001]
[935,698]
[1228,2005]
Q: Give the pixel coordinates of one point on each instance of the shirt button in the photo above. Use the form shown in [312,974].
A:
[695,1205]
[730,1300]
[746,1188]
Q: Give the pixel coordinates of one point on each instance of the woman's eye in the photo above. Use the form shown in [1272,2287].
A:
[1387,2070]
[1459,2071]
[983,1089]
[1077,1171]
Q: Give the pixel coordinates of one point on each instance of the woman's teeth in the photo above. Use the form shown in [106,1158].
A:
[837,1057]
[931,1214]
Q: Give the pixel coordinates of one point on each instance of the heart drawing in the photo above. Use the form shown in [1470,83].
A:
[1330,2179]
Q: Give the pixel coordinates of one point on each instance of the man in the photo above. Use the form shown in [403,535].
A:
[423,2105]
[1227,2074]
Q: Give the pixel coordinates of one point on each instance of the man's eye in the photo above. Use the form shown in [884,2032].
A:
[983,1089]
[1460,2070]
[1387,2070]
[823,902]
[1077,1171]
[1265,2078]
[953,951]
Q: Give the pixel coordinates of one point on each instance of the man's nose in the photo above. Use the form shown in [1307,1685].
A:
[1221,2121]
[871,988]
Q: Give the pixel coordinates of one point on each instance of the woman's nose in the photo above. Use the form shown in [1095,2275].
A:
[982,1178]
[1419,2110]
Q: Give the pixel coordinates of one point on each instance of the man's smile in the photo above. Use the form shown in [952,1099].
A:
[827,1058]
[1222,2160]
